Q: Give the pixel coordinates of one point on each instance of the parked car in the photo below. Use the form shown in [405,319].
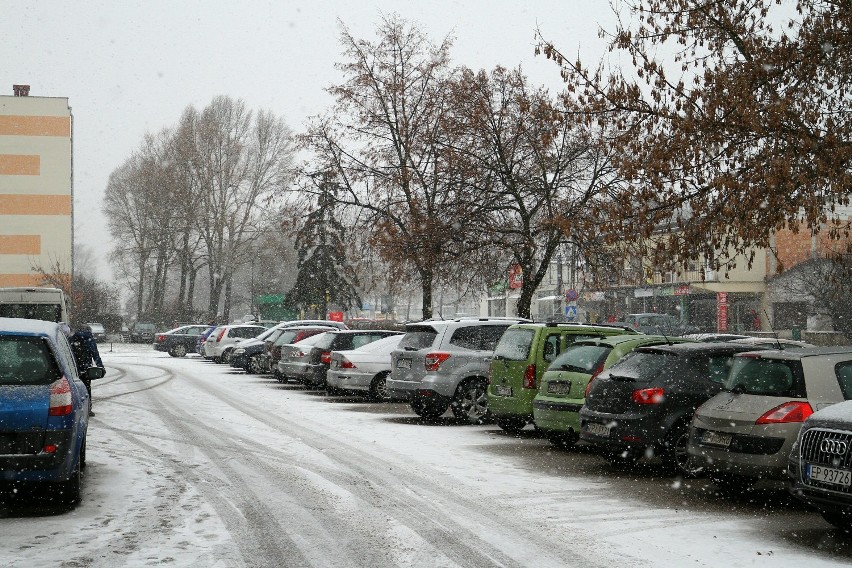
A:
[364,369]
[143,333]
[326,323]
[98,331]
[658,324]
[746,433]
[202,338]
[45,407]
[48,304]
[309,365]
[221,342]
[643,404]
[522,356]
[820,465]
[297,349]
[561,394]
[290,336]
[179,341]
[444,364]
[249,353]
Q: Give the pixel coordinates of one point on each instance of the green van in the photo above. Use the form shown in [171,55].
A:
[562,392]
[520,359]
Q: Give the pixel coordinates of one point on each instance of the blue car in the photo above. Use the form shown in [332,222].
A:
[44,407]
[199,343]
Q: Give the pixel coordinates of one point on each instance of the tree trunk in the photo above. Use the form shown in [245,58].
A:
[426,277]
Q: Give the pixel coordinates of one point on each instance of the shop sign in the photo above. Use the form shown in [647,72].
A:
[335,316]
[682,290]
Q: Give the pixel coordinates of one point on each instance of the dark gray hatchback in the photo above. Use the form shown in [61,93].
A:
[643,404]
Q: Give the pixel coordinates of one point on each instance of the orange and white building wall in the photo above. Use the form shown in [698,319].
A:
[36,187]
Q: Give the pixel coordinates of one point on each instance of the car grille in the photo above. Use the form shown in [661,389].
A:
[828,448]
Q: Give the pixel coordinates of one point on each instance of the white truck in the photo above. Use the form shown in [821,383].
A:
[49,304]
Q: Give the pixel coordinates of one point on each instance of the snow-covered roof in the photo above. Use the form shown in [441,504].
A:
[27,326]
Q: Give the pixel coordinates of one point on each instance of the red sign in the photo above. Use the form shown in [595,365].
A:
[682,290]
[721,311]
[335,316]
[516,276]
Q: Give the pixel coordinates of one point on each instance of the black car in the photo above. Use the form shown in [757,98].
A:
[820,465]
[143,333]
[643,404]
[179,341]
[250,355]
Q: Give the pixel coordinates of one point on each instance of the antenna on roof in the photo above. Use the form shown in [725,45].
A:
[774,333]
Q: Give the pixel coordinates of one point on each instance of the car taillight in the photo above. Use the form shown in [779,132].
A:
[595,374]
[60,398]
[296,354]
[325,357]
[219,337]
[793,411]
[161,338]
[653,395]
[433,360]
[346,364]
[529,377]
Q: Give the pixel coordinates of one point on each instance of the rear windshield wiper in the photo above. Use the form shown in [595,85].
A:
[622,378]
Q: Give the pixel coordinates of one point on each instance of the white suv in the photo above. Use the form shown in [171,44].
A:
[220,344]
[444,364]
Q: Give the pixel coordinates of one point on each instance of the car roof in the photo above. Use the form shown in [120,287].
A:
[691,347]
[577,326]
[798,353]
[28,326]
[363,331]
[614,340]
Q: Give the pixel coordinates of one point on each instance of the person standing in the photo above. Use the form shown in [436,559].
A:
[85,350]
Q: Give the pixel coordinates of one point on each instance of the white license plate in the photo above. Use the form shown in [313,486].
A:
[829,475]
[503,391]
[716,439]
[601,430]
[558,388]
[403,363]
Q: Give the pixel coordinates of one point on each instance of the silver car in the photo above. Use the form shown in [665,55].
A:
[444,364]
[745,433]
[364,369]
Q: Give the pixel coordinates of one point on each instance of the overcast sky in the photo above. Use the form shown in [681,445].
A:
[129,68]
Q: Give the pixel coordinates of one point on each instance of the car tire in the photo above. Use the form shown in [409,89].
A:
[428,411]
[253,365]
[68,492]
[226,356]
[83,455]
[838,520]
[511,425]
[178,350]
[470,402]
[675,455]
[732,483]
[379,388]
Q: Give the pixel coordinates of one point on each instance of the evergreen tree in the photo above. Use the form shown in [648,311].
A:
[324,275]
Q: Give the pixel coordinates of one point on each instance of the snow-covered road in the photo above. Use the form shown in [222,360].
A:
[193,464]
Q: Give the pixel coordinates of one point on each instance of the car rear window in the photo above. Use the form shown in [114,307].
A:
[26,361]
[418,337]
[767,377]
[515,344]
[645,366]
[478,337]
[581,358]
[326,340]
[843,371]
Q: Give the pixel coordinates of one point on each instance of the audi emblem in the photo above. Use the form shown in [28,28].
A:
[836,447]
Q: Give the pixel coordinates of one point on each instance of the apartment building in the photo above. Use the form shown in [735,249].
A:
[36,187]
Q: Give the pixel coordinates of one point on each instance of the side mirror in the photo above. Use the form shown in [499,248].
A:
[95,373]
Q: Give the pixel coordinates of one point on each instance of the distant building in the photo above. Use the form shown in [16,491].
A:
[36,187]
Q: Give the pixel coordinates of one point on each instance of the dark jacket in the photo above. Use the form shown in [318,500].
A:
[85,350]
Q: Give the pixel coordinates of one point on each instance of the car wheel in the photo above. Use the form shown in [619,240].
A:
[253,365]
[511,425]
[379,388]
[226,356]
[69,491]
[178,350]
[471,401]
[676,455]
[732,483]
[428,411]
[838,520]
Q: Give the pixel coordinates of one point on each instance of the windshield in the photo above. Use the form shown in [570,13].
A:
[46,312]
[581,358]
[644,366]
[515,344]
[26,360]
[772,377]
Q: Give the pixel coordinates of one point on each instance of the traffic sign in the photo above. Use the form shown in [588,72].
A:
[572,295]
[570,313]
